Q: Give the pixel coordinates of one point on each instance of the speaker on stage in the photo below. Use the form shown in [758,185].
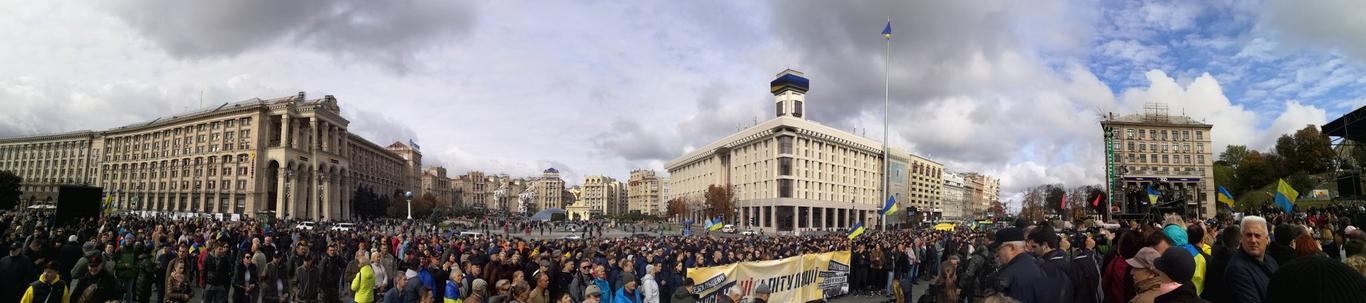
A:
[75,202]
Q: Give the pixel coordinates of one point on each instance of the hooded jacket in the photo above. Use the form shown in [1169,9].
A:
[46,291]
[1179,239]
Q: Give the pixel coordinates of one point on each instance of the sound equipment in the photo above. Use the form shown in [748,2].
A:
[1349,184]
[75,202]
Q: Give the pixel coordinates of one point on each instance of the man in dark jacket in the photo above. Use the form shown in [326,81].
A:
[217,273]
[1250,269]
[1086,272]
[304,286]
[1055,265]
[98,286]
[68,255]
[330,276]
[684,293]
[1280,249]
[1216,290]
[1020,277]
[16,272]
[244,285]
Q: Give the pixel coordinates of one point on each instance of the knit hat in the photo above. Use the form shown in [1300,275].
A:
[1177,234]
[479,286]
[627,279]
[1316,279]
[1144,258]
[1177,263]
[763,289]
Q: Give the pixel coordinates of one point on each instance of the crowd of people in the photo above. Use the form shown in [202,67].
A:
[1315,256]
[1267,256]
[152,259]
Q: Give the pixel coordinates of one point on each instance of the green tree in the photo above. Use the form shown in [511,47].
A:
[1233,155]
[1254,171]
[1223,175]
[9,189]
[1314,151]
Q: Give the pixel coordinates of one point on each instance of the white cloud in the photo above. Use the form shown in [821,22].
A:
[1204,100]
[1295,117]
[1333,24]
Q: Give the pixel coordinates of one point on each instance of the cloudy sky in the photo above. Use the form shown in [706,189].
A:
[1010,88]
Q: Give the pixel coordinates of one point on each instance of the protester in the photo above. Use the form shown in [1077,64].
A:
[49,288]
[684,293]
[363,283]
[1020,277]
[1055,265]
[1250,269]
[1216,286]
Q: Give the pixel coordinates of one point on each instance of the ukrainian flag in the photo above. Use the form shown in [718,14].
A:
[1153,194]
[887,31]
[715,224]
[1225,197]
[1286,195]
[890,208]
[856,231]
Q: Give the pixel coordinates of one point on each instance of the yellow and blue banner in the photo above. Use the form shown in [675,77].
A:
[1153,194]
[856,231]
[1286,195]
[890,207]
[1225,197]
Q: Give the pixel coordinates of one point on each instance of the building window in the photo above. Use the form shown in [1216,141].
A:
[784,188]
[1200,159]
[784,145]
[1199,135]
[797,109]
[780,108]
[1200,147]
[784,166]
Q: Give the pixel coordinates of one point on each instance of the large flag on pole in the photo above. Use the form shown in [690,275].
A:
[1225,197]
[887,31]
[856,231]
[890,207]
[1286,195]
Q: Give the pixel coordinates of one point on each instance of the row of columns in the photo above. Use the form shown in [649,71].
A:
[320,136]
[813,217]
[312,194]
[203,202]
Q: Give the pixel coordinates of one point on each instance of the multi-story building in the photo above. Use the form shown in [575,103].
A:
[788,172]
[473,190]
[550,191]
[435,183]
[412,175]
[982,191]
[600,194]
[899,182]
[644,195]
[955,199]
[926,185]
[287,157]
[1171,153]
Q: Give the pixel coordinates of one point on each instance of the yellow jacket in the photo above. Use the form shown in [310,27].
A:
[29,296]
[364,284]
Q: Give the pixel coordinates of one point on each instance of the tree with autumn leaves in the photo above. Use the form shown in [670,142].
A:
[720,201]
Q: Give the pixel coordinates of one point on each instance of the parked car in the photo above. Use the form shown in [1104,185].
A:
[306,225]
[730,229]
[749,233]
[344,227]
[572,237]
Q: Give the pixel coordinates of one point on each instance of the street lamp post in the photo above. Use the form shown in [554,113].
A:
[409,196]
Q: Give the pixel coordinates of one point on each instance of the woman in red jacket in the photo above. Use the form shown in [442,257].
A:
[1116,281]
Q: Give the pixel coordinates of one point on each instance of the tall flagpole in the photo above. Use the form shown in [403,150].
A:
[886,105]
